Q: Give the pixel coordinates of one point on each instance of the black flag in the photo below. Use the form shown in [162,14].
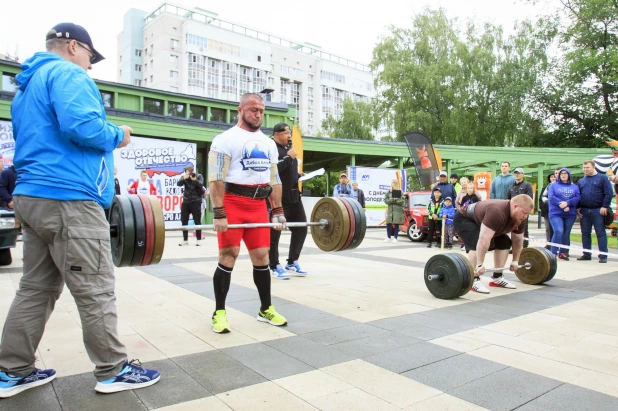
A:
[424,158]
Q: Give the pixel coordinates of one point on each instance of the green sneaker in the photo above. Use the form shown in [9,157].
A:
[219,322]
[271,316]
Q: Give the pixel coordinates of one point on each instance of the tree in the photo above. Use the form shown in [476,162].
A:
[356,122]
[579,97]
[467,88]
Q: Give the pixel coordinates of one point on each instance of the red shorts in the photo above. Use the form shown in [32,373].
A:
[242,210]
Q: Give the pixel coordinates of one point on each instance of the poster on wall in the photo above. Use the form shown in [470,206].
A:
[164,161]
[375,182]
[7,143]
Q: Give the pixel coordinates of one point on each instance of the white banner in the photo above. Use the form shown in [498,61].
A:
[165,161]
[375,182]
[7,143]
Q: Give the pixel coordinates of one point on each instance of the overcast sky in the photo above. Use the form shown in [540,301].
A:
[342,27]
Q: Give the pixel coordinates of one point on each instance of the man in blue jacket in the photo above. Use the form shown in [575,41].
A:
[343,189]
[596,196]
[64,163]
[500,185]
[447,189]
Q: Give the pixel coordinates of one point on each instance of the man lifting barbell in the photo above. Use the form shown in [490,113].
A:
[242,173]
[484,226]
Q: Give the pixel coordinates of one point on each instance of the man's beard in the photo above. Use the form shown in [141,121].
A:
[248,124]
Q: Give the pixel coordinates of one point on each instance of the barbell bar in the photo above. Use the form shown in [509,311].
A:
[137,229]
[451,275]
[527,266]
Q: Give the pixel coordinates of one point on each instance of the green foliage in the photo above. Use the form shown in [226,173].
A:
[467,87]
[317,185]
[356,122]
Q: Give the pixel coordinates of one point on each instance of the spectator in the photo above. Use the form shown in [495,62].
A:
[446,188]
[563,199]
[8,177]
[470,196]
[116,182]
[501,184]
[448,212]
[596,196]
[343,189]
[193,194]
[142,186]
[394,212]
[433,217]
[544,206]
[358,194]
[455,184]
[521,187]
[464,183]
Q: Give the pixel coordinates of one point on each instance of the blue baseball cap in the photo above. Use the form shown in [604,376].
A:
[74,32]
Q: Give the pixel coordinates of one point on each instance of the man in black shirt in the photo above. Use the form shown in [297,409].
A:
[292,206]
[520,186]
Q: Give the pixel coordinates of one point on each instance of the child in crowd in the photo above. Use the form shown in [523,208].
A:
[433,209]
[448,212]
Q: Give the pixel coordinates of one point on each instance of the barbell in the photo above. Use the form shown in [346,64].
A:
[451,275]
[137,229]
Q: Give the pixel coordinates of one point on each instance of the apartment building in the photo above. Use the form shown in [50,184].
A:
[194,51]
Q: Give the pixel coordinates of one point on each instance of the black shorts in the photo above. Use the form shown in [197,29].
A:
[469,232]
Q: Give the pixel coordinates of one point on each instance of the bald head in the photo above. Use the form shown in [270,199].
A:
[247,97]
[251,112]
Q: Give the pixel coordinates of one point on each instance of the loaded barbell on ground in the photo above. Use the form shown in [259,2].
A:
[451,275]
[137,228]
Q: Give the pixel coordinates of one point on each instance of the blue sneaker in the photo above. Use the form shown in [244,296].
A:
[11,385]
[132,377]
[279,273]
[295,269]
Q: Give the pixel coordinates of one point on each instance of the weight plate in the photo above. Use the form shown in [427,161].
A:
[467,271]
[357,210]
[150,229]
[159,225]
[553,264]
[348,240]
[123,244]
[140,231]
[338,227]
[540,266]
[361,226]
[452,281]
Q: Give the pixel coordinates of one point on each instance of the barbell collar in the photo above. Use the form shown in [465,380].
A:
[321,223]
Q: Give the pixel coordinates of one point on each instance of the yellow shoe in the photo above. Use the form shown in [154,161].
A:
[219,322]
[271,316]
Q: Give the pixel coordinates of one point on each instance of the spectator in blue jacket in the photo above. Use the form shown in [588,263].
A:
[500,185]
[446,188]
[8,176]
[343,189]
[596,197]
[448,212]
[563,198]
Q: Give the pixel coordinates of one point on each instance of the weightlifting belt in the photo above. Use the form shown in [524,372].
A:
[470,211]
[254,192]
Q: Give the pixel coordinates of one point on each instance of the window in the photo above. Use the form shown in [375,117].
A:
[310,116]
[151,63]
[233,117]
[298,73]
[174,29]
[108,99]
[151,79]
[198,112]
[145,82]
[272,68]
[153,106]
[138,67]
[145,66]
[285,71]
[138,83]
[9,83]
[337,78]
[224,48]
[151,48]
[138,52]
[310,128]
[173,74]
[120,58]
[309,91]
[217,114]
[174,58]
[197,40]
[176,109]
[174,89]
[310,103]
[271,81]
[120,73]
[259,58]
[310,77]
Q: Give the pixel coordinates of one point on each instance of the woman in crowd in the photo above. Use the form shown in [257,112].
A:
[563,197]
[394,212]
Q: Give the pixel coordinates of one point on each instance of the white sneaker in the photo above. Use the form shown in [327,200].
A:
[387,240]
[501,282]
[394,240]
[198,243]
[183,243]
[479,287]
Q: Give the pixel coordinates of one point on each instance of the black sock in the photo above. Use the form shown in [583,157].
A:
[261,278]
[221,283]
[496,275]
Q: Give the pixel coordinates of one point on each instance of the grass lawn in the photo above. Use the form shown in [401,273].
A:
[611,241]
